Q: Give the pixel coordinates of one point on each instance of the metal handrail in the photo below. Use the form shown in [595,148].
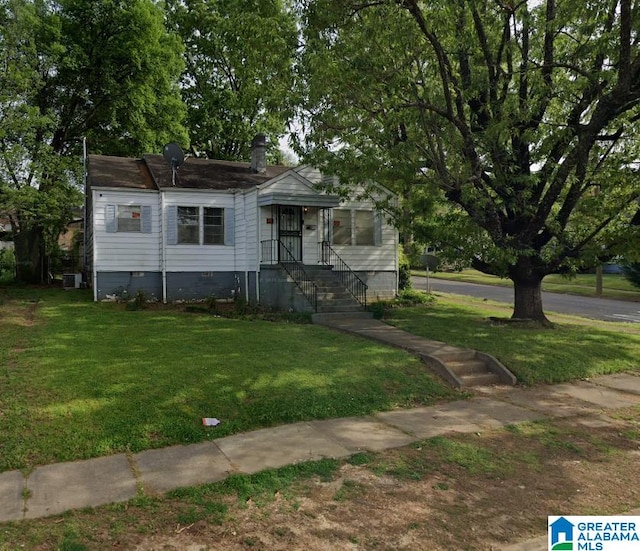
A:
[275,252]
[347,276]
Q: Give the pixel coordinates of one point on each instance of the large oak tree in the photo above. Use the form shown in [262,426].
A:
[238,78]
[71,69]
[521,115]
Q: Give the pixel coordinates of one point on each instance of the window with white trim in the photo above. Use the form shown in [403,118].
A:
[364,227]
[341,227]
[200,225]
[129,218]
[188,225]
[213,226]
[355,227]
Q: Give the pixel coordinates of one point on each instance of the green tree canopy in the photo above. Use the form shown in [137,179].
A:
[522,116]
[71,69]
[238,79]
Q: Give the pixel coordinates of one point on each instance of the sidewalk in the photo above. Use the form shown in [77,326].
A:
[53,489]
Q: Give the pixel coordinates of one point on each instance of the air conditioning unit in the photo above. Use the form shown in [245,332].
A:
[71,281]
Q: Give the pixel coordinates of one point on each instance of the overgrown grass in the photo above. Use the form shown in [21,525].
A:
[81,379]
[613,286]
[565,352]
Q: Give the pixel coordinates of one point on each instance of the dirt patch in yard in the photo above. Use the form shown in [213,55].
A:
[462,492]
[480,492]
[475,492]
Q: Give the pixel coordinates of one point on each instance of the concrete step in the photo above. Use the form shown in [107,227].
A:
[323,274]
[335,309]
[339,302]
[342,295]
[326,281]
[467,367]
[331,288]
[456,355]
[479,379]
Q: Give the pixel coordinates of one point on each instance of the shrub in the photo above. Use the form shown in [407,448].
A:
[406,297]
[139,301]
[7,265]
[404,270]
[413,252]
[411,297]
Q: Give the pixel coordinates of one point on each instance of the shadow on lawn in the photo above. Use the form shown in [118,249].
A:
[98,379]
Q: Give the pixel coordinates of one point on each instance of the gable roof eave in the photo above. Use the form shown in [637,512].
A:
[306,194]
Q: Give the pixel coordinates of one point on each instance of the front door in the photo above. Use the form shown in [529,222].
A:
[290,233]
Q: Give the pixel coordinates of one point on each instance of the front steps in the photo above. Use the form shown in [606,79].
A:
[333,298]
[462,368]
[469,368]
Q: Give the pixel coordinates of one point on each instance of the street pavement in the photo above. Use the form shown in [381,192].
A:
[587,307]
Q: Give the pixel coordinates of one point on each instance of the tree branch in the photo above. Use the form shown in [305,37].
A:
[444,66]
[624,72]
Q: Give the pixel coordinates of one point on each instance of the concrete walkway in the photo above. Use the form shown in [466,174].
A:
[463,368]
[53,489]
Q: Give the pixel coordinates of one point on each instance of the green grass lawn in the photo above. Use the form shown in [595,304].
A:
[80,379]
[573,349]
[613,286]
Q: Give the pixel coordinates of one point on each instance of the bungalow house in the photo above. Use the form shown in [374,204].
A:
[264,233]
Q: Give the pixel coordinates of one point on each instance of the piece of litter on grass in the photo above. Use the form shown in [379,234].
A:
[210,421]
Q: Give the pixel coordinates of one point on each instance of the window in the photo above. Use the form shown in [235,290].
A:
[356,227]
[200,225]
[213,226]
[364,227]
[188,225]
[129,217]
[341,227]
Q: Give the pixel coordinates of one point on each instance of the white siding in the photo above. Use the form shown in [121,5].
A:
[204,258]
[287,184]
[267,231]
[246,231]
[125,251]
[311,235]
[310,173]
[248,223]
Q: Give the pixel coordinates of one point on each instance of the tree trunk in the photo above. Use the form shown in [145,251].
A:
[27,245]
[528,300]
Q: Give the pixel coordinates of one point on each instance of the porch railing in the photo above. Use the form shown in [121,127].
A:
[275,252]
[347,276]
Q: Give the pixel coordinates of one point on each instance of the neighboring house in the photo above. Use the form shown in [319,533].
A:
[229,229]
[6,238]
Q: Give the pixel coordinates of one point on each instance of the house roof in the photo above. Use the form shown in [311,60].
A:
[153,172]
[209,174]
[119,172]
[291,188]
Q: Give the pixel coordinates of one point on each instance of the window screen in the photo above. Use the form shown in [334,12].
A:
[188,225]
[213,226]
[129,217]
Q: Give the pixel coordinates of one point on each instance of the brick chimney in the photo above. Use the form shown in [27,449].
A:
[259,154]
